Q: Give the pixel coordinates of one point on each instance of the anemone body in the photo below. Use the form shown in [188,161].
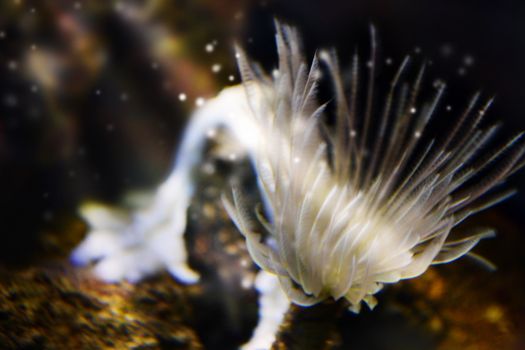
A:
[368,198]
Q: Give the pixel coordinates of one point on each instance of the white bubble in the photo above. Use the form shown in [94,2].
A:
[34,88]
[12,65]
[232,156]
[182,96]
[238,15]
[154,65]
[388,61]
[48,215]
[98,92]
[11,100]
[447,50]
[449,108]
[2,34]
[231,78]
[413,110]
[208,168]
[199,101]
[247,283]
[216,68]
[209,48]
[439,83]
[468,60]
[417,134]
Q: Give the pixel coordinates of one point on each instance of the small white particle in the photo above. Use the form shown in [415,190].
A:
[199,101]
[370,64]
[296,160]
[12,65]
[119,6]
[209,48]
[237,55]
[353,133]
[438,83]
[417,134]
[468,60]
[33,47]
[247,283]
[2,35]
[462,71]
[154,65]
[216,68]
[275,73]
[182,96]
[238,15]
[417,49]
[34,88]
[48,216]
[447,50]
[231,78]
[211,133]
[98,92]
[124,97]
[449,108]
[208,168]
[232,156]
[388,61]
[77,5]
[11,100]
[413,110]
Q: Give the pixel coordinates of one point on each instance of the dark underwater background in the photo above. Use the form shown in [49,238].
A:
[90,108]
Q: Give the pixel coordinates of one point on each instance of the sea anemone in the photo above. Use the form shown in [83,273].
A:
[358,195]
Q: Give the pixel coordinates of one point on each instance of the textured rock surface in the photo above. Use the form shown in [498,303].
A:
[51,305]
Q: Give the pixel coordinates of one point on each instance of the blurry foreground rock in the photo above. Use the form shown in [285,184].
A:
[52,305]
